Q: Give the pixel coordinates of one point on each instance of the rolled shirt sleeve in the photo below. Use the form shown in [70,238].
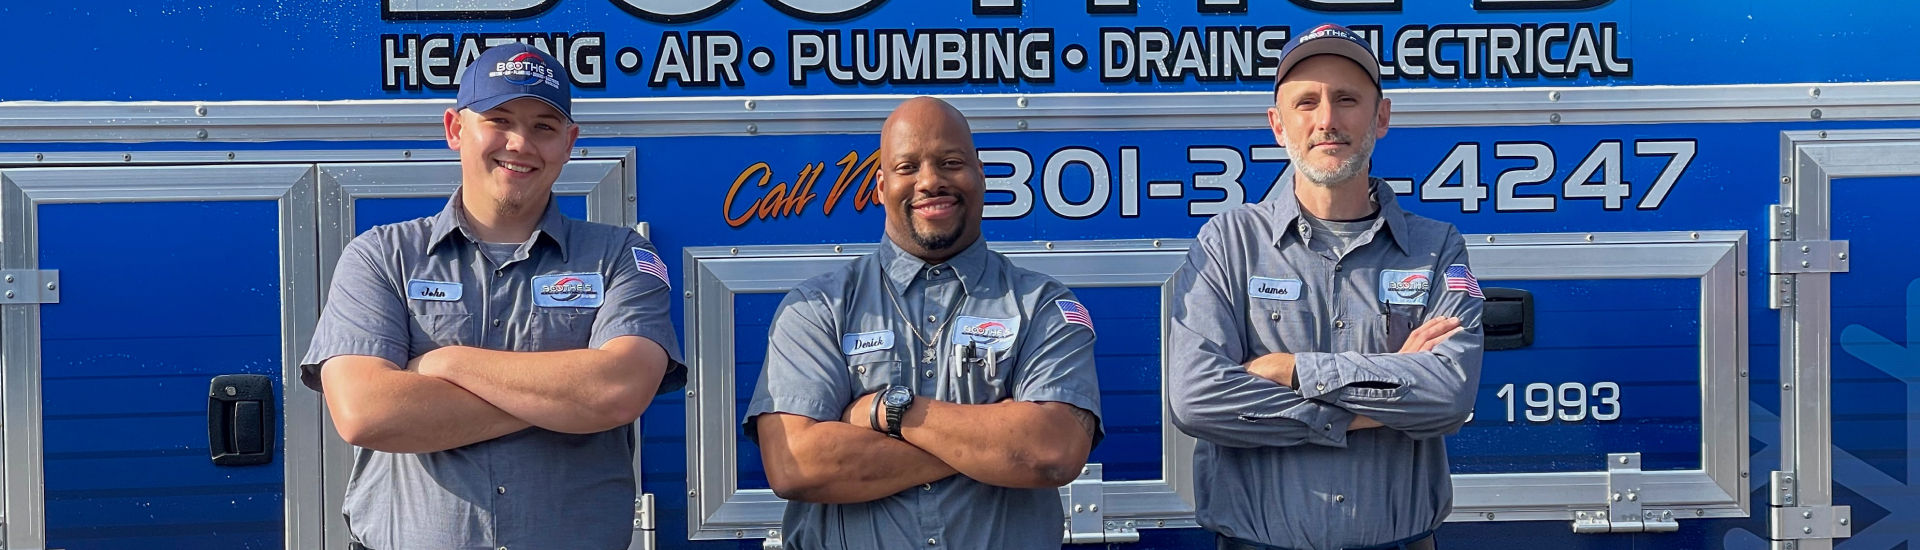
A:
[1213,396]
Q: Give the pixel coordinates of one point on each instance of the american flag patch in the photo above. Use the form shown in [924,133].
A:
[1460,278]
[1075,313]
[650,263]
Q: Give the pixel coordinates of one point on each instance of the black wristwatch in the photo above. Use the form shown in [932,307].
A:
[896,399]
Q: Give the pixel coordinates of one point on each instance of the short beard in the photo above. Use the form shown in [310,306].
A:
[510,208]
[1363,149]
[931,241]
[935,242]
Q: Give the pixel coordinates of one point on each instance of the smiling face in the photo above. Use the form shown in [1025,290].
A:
[931,181]
[1327,113]
[510,155]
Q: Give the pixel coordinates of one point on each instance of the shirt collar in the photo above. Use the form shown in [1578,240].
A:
[901,268]
[1284,210]
[452,219]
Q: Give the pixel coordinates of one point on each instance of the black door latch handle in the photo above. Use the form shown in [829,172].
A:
[240,420]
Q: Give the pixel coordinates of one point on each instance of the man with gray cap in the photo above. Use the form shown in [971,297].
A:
[1324,340]
[488,362]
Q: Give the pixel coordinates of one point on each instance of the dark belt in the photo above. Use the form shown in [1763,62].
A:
[1423,541]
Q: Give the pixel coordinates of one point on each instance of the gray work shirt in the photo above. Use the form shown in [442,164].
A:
[1277,465]
[403,289]
[838,336]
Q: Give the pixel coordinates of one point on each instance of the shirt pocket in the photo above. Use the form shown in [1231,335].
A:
[872,372]
[1396,325]
[984,383]
[433,330]
[558,329]
[1279,326]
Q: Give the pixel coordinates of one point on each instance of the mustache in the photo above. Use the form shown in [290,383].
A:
[909,201]
[1331,135]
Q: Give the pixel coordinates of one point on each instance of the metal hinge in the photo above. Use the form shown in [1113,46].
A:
[1086,522]
[1624,513]
[1809,257]
[1790,258]
[1782,227]
[643,522]
[29,286]
[1789,523]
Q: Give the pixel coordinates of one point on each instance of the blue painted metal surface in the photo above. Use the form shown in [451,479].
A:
[162,298]
[313,50]
[126,360]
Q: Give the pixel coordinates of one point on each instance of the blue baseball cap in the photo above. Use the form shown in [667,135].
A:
[512,71]
[1328,39]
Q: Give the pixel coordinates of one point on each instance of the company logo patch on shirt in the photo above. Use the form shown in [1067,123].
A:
[1267,288]
[649,263]
[569,290]
[995,334]
[433,291]
[1075,313]
[855,344]
[1405,286]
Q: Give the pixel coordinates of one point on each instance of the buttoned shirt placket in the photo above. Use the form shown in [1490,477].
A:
[938,286]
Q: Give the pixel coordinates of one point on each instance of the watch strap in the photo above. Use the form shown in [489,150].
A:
[893,419]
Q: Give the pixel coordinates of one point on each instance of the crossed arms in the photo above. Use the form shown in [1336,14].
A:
[1224,392]
[817,450]
[456,396]
[1014,444]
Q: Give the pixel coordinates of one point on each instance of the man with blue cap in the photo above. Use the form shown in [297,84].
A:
[488,362]
[1316,354]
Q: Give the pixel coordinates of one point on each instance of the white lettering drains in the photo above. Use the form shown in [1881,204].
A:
[1412,52]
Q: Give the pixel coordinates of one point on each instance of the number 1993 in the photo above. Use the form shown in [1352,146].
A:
[1568,402]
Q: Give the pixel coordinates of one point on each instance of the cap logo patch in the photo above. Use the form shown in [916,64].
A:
[525,69]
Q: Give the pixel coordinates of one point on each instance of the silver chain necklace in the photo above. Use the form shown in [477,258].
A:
[927,343]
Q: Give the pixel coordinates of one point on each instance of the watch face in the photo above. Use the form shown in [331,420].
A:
[897,396]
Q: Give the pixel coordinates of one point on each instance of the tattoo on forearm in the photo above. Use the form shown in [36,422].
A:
[1087,422]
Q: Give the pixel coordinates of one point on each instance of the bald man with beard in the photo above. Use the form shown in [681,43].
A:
[929,394]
